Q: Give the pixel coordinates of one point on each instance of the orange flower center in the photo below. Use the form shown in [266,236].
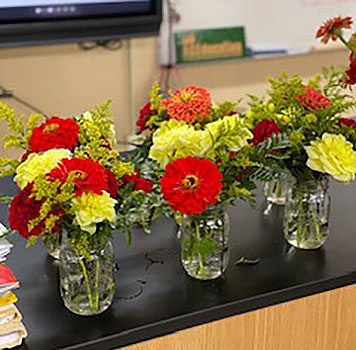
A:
[80,174]
[51,128]
[186,96]
[190,182]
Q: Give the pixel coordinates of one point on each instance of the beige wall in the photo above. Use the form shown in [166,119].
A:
[63,80]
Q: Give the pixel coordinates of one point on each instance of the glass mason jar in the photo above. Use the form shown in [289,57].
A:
[306,216]
[87,283]
[53,244]
[276,190]
[204,243]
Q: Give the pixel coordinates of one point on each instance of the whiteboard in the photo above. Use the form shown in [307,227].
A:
[269,24]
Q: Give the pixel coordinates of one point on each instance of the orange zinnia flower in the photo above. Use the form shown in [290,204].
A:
[329,29]
[190,104]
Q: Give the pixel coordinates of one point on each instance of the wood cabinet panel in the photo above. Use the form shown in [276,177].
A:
[324,321]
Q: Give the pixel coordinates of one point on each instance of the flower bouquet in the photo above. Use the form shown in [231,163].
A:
[191,106]
[74,188]
[320,143]
[205,161]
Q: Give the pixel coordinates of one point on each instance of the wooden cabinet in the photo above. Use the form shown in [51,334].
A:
[324,321]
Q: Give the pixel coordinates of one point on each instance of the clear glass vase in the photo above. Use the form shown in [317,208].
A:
[276,190]
[87,283]
[204,243]
[306,216]
[53,245]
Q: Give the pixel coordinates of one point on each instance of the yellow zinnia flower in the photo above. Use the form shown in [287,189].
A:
[176,139]
[91,209]
[230,131]
[39,164]
[334,155]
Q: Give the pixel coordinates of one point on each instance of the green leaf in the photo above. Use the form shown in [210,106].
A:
[205,247]
[246,261]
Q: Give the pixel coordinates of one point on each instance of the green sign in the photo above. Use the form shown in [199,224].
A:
[210,44]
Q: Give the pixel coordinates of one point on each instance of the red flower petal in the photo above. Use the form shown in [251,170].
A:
[23,209]
[313,100]
[145,114]
[54,133]
[347,121]
[263,131]
[139,183]
[327,30]
[92,176]
[191,184]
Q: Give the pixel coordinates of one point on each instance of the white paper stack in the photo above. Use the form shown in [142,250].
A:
[5,248]
[12,331]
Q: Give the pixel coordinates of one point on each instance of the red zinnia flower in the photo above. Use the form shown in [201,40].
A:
[349,122]
[91,176]
[23,209]
[350,74]
[189,104]
[328,30]
[313,99]
[25,156]
[145,114]
[112,183]
[54,133]
[191,184]
[263,131]
[139,183]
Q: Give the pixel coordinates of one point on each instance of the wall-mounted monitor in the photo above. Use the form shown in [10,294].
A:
[31,22]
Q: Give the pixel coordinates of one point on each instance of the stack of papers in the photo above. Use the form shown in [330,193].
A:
[12,331]
[5,248]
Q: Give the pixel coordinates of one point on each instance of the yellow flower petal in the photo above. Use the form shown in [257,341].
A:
[91,209]
[334,155]
[39,164]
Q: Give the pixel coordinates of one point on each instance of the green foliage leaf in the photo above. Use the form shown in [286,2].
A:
[246,261]
[204,247]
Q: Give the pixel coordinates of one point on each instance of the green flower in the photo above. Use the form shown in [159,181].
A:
[334,155]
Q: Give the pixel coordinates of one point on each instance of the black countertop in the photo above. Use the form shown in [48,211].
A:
[154,295]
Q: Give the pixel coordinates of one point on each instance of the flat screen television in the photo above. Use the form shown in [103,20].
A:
[31,22]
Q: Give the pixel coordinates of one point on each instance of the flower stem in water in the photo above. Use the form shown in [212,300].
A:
[87,284]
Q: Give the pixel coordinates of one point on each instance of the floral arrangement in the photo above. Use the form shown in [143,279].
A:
[203,147]
[71,178]
[204,159]
[309,116]
[332,29]
[176,122]
[319,144]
